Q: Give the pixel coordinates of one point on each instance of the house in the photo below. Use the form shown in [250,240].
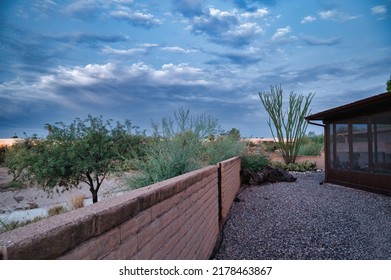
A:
[358,143]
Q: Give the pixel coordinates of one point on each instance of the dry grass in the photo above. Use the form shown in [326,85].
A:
[56,210]
[77,202]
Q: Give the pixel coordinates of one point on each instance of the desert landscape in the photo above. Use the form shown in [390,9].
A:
[28,202]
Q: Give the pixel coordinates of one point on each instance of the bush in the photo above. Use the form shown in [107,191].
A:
[180,146]
[298,167]
[77,202]
[312,145]
[167,158]
[223,148]
[56,210]
[3,149]
[255,162]
[310,149]
[7,226]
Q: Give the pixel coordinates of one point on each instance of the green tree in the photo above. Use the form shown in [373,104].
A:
[288,126]
[234,133]
[389,84]
[17,159]
[84,151]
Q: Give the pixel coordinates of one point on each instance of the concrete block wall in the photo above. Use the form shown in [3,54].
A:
[230,184]
[174,219]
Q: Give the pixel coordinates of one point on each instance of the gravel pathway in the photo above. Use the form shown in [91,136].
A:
[305,220]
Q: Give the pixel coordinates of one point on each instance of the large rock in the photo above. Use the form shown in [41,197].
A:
[267,174]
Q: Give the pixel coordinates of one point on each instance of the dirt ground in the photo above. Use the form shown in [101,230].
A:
[33,197]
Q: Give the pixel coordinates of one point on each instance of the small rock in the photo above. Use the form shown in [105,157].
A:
[33,205]
[18,198]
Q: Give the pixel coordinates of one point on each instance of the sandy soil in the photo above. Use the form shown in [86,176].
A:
[34,197]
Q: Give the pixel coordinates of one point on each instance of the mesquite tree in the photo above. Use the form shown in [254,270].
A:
[288,126]
[84,151]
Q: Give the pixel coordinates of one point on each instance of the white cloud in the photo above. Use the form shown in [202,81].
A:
[221,14]
[177,50]
[308,19]
[245,30]
[257,14]
[328,14]
[379,10]
[136,18]
[109,50]
[93,75]
[336,15]
[227,27]
[281,32]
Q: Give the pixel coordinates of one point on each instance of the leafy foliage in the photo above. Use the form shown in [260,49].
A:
[299,167]
[181,145]
[312,145]
[254,162]
[288,126]
[17,158]
[84,151]
[167,158]
[224,147]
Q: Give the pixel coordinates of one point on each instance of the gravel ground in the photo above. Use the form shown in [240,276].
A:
[305,220]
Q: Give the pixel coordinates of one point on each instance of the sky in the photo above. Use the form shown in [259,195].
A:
[143,60]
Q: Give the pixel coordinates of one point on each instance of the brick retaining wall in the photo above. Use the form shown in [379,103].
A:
[230,182]
[174,219]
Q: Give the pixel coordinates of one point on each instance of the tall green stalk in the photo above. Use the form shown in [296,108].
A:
[288,126]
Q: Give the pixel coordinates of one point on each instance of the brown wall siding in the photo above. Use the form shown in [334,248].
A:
[173,219]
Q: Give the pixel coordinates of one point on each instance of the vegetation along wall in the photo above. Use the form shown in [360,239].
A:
[318,160]
[179,218]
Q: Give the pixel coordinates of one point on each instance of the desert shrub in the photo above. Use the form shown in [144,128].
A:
[312,145]
[7,226]
[77,202]
[310,149]
[56,210]
[270,147]
[167,158]
[2,154]
[176,148]
[298,167]
[254,162]
[15,184]
[224,147]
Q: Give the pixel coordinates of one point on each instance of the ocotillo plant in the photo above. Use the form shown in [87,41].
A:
[289,125]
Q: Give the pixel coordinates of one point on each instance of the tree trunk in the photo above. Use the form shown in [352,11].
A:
[94,196]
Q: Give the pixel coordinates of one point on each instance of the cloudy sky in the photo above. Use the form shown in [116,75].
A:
[142,60]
